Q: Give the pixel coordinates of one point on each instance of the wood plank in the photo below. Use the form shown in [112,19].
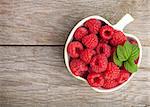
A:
[37,77]
[48,22]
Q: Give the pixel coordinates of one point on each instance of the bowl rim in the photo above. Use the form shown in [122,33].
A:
[70,37]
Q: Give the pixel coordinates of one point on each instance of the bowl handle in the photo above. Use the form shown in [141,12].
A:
[123,22]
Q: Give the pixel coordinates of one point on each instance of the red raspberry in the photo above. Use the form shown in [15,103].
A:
[113,50]
[93,25]
[118,38]
[106,32]
[136,61]
[99,63]
[86,55]
[74,49]
[90,41]
[90,70]
[124,75]
[134,42]
[80,33]
[103,49]
[112,71]
[103,41]
[78,67]
[110,84]
[86,73]
[95,80]
[122,67]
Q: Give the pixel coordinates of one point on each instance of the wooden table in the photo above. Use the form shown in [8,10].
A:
[32,38]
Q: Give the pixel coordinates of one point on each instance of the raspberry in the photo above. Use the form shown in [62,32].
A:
[103,49]
[118,38]
[99,63]
[110,84]
[86,73]
[136,61]
[124,75]
[78,67]
[112,71]
[93,25]
[113,50]
[74,49]
[103,41]
[122,67]
[103,23]
[106,32]
[95,80]
[132,41]
[80,33]
[90,41]
[90,70]
[86,55]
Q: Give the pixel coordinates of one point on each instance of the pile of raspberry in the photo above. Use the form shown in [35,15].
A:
[91,52]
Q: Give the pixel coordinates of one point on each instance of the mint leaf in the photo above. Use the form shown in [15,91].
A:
[120,53]
[127,48]
[124,52]
[135,52]
[126,55]
[116,60]
[130,65]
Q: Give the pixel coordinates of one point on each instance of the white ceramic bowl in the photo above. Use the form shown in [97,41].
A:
[119,26]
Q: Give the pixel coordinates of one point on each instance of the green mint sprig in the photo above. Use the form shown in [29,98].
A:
[126,55]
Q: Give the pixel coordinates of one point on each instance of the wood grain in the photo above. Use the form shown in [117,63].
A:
[48,22]
[37,77]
